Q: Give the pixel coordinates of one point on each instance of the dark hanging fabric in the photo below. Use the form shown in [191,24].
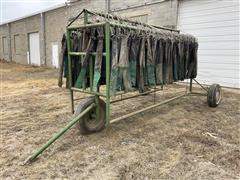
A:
[63,61]
[99,58]
[181,60]
[115,48]
[151,49]
[186,58]
[133,57]
[192,65]
[82,80]
[190,60]
[195,52]
[142,65]
[159,61]
[124,61]
[137,59]
[170,65]
[85,38]
[175,60]
[76,64]
[166,61]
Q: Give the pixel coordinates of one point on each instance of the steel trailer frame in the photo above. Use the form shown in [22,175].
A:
[106,95]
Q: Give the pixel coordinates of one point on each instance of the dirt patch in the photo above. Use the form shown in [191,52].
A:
[182,140]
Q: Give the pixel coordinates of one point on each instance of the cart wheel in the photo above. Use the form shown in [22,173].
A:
[89,122]
[214,95]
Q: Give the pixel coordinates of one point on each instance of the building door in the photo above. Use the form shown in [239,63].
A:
[55,56]
[216,25]
[34,50]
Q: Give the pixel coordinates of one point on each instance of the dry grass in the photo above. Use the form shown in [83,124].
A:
[182,140]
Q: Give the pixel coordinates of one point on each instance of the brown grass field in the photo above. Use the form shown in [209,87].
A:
[184,139]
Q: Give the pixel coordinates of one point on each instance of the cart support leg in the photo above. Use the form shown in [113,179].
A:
[97,107]
[147,108]
[70,72]
[72,101]
[190,87]
[107,39]
[60,133]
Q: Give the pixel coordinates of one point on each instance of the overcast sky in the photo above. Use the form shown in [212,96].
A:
[12,9]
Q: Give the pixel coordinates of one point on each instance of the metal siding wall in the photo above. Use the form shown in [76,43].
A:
[216,25]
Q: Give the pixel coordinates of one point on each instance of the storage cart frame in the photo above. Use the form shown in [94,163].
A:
[212,92]
[106,95]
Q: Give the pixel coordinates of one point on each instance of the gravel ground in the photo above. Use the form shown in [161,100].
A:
[182,140]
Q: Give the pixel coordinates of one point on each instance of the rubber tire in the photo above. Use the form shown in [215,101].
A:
[211,96]
[84,127]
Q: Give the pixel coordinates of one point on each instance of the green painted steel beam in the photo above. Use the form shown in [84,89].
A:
[190,87]
[146,109]
[87,26]
[88,92]
[118,18]
[85,16]
[91,72]
[114,24]
[83,53]
[137,95]
[60,133]
[108,69]
[197,94]
[70,70]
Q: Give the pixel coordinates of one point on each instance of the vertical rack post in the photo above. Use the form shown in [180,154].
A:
[85,17]
[107,42]
[190,87]
[70,71]
[91,73]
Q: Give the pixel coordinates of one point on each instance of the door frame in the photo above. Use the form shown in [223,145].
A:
[28,53]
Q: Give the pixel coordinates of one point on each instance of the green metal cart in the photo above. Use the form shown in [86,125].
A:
[95,112]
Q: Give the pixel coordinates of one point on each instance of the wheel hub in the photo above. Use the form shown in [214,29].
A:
[218,97]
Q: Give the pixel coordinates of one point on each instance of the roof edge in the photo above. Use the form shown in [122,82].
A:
[36,13]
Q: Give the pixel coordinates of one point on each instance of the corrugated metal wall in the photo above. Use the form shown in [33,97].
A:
[216,25]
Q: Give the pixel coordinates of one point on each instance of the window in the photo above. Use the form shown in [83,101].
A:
[5,45]
[17,44]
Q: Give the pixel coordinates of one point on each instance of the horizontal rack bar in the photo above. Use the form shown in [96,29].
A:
[128,20]
[87,25]
[146,109]
[88,92]
[84,53]
[128,26]
[197,94]
[115,24]
[139,94]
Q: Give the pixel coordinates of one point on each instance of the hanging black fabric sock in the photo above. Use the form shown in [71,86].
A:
[98,60]
[159,61]
[141,65]
[115,58]
[133,56]
[194,73]
[175,56]
[81,80]
[166,62]
[181,60]
[170,65]
[151,49]
[124,62]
